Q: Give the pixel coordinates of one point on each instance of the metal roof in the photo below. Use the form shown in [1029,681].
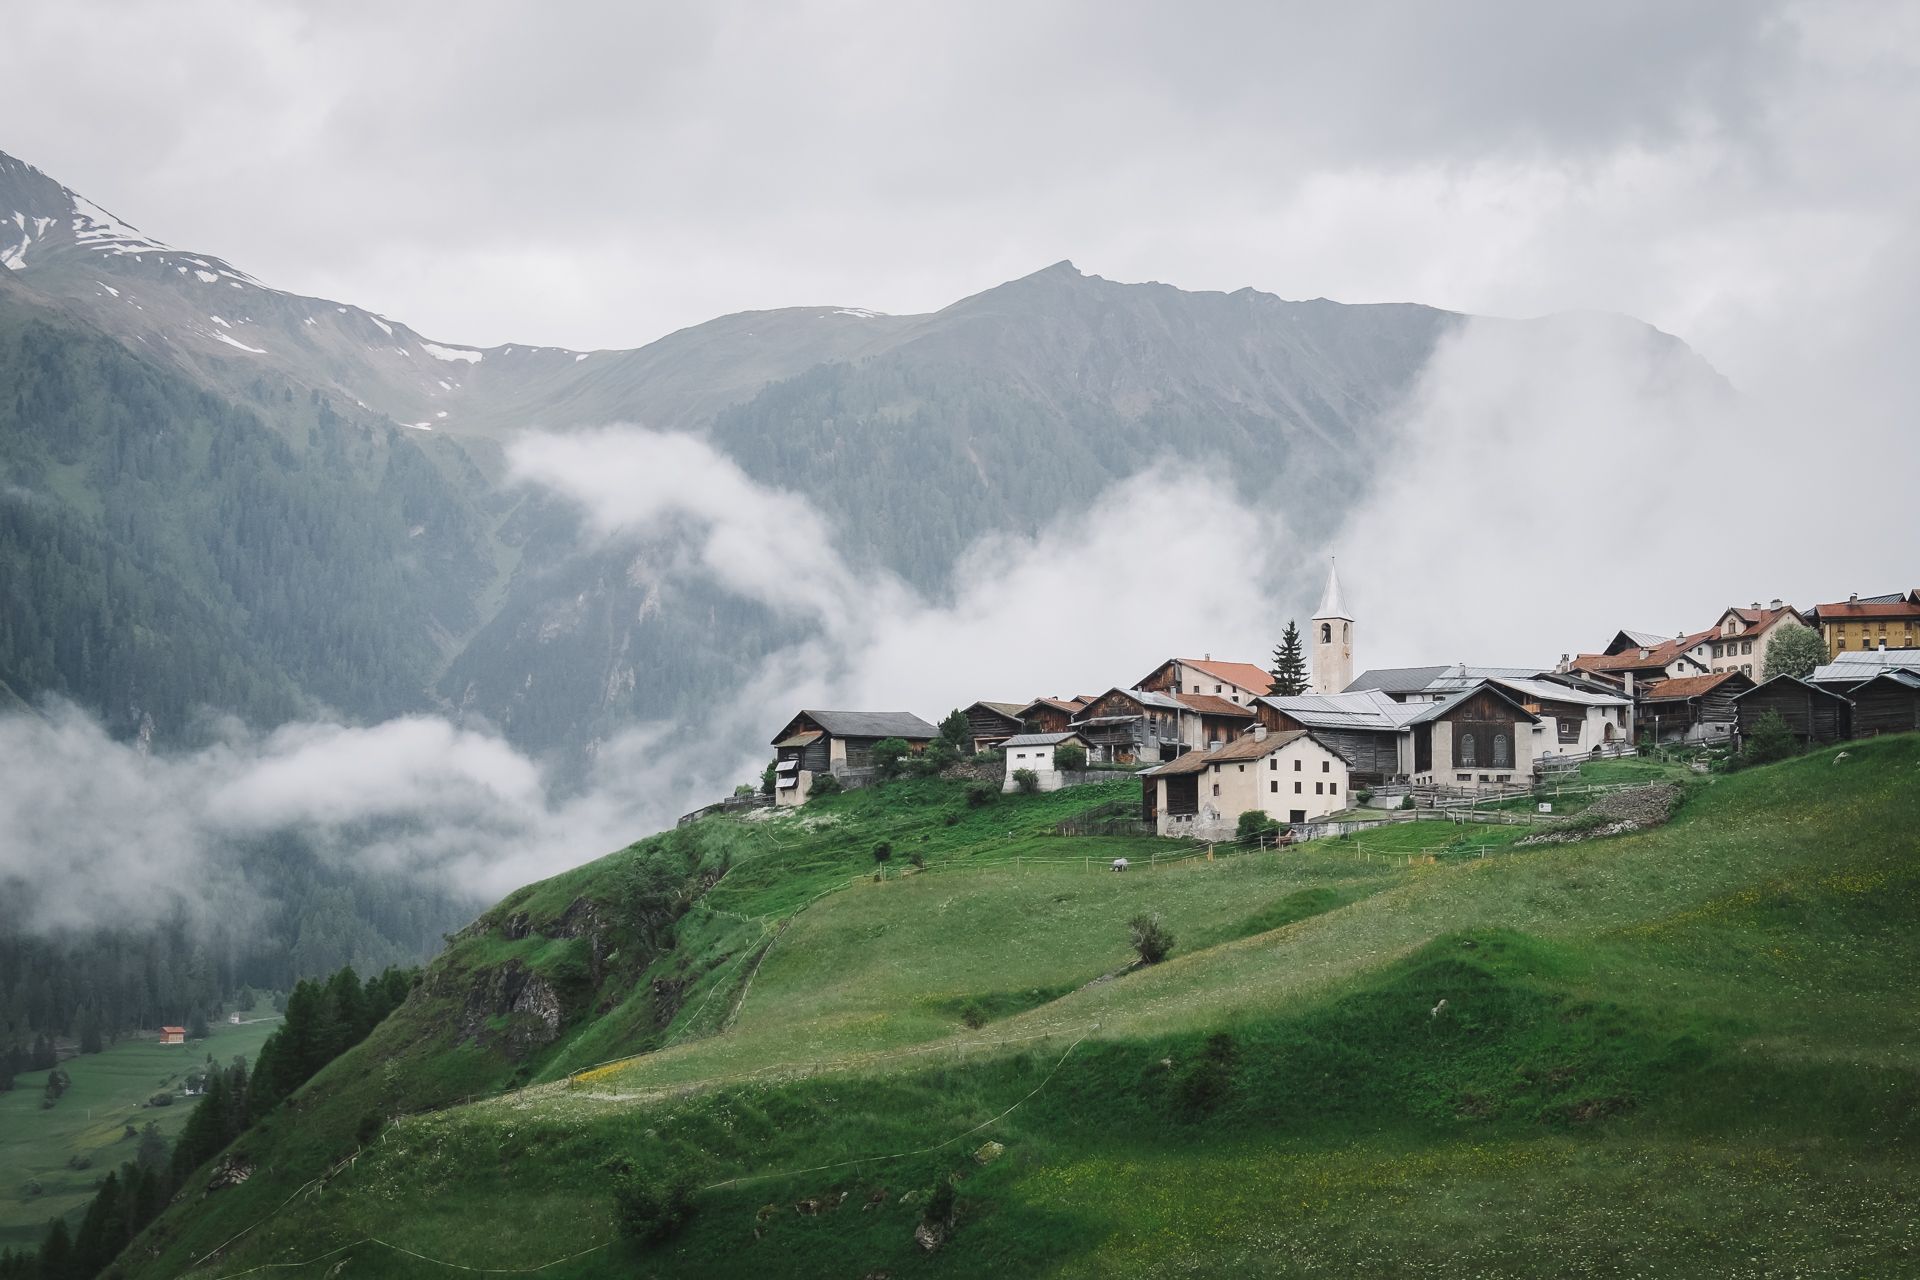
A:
[1554,691]
[1426,711]
[1395,679]
[872,724]
[1040,739]
[1366,709]
[1852,668]
[1331,605]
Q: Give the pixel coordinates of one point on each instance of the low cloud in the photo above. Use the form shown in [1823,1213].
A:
[100,833]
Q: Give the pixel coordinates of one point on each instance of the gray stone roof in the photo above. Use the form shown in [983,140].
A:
[873,724]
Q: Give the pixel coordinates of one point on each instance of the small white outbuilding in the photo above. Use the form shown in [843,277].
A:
[1035,751]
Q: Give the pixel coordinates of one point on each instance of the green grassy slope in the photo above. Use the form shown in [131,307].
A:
[110,1091]
[1688,1050]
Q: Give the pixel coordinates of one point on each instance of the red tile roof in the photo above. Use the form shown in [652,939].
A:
[1240,749]
[1212,705]
[1659,655]
[1849,610]
[1688,686]
[1246,675]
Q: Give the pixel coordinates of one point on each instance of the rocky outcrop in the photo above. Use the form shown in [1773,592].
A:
[512,1009]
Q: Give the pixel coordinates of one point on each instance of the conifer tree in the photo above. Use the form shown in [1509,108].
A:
[1289,665]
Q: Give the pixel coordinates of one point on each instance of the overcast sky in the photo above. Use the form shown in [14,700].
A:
[598,174]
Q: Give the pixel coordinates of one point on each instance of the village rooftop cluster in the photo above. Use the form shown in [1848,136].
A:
[1213,739]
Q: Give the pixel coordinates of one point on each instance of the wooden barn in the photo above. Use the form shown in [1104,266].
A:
[173,1035]
[991,723]
[837,742]
[1051,715]
[1814,714]
[1131,726]
[1693,708]
[1888,703]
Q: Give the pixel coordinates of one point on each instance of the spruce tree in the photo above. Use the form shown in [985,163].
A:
[1289,665]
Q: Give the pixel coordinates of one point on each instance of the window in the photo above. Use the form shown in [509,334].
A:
[1296,766]
[1333,788]
[1273,762]
[1239,768]
[1746,647]
[1216,788]
[1296,788]
[1319,788]
[1505,777]
[1326,633]
[1274,786]
[1466,749]
[1463,777]
[1216,688]
[1746,668]
[1485,778]
[1500,760]
[1326,766]
[1346,632]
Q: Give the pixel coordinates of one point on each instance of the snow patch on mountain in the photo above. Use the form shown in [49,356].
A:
[235,342]
[451,354]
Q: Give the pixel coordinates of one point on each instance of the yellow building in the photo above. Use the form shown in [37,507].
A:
[1879,622]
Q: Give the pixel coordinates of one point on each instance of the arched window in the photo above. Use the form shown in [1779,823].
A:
[1346,633]
[1466,749]
[1499,750]
[1326,633]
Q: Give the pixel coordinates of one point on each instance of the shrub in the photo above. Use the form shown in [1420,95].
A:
[768,777]
[1027,780]
[950,818]
[917,858]
[1406,801]
[973,1014]
[1070,756]
[371,1123]
[1770,740]
[1363,796]
[1151,940]
[1254,823]
[1208,1079]
[980,794]
[887,755]
[824,784]
[940,1204]
[648,1208]
[939,756]
[882,852]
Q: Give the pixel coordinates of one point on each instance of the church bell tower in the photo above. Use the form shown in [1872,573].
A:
[1332,639]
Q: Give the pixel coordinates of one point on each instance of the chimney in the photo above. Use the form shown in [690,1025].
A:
[1259,733]
[1775,604]
[1645,654]
[1756,604]
[1854,598]
[1215,745]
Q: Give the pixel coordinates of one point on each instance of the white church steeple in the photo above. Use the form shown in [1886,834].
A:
[1332,639]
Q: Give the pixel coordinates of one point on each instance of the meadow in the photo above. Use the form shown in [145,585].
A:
[1683,1051]
[110,1092]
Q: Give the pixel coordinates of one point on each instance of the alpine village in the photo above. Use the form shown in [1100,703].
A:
[1302,747]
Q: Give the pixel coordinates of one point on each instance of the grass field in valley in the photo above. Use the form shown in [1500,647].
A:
[110,1091]
[1686,1051]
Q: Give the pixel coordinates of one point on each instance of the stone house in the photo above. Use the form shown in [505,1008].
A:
[1290,777]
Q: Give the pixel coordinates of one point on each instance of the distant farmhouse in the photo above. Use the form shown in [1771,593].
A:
[837,742]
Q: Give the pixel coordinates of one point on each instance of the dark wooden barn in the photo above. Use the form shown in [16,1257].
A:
[1815,715]
[1886,704]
